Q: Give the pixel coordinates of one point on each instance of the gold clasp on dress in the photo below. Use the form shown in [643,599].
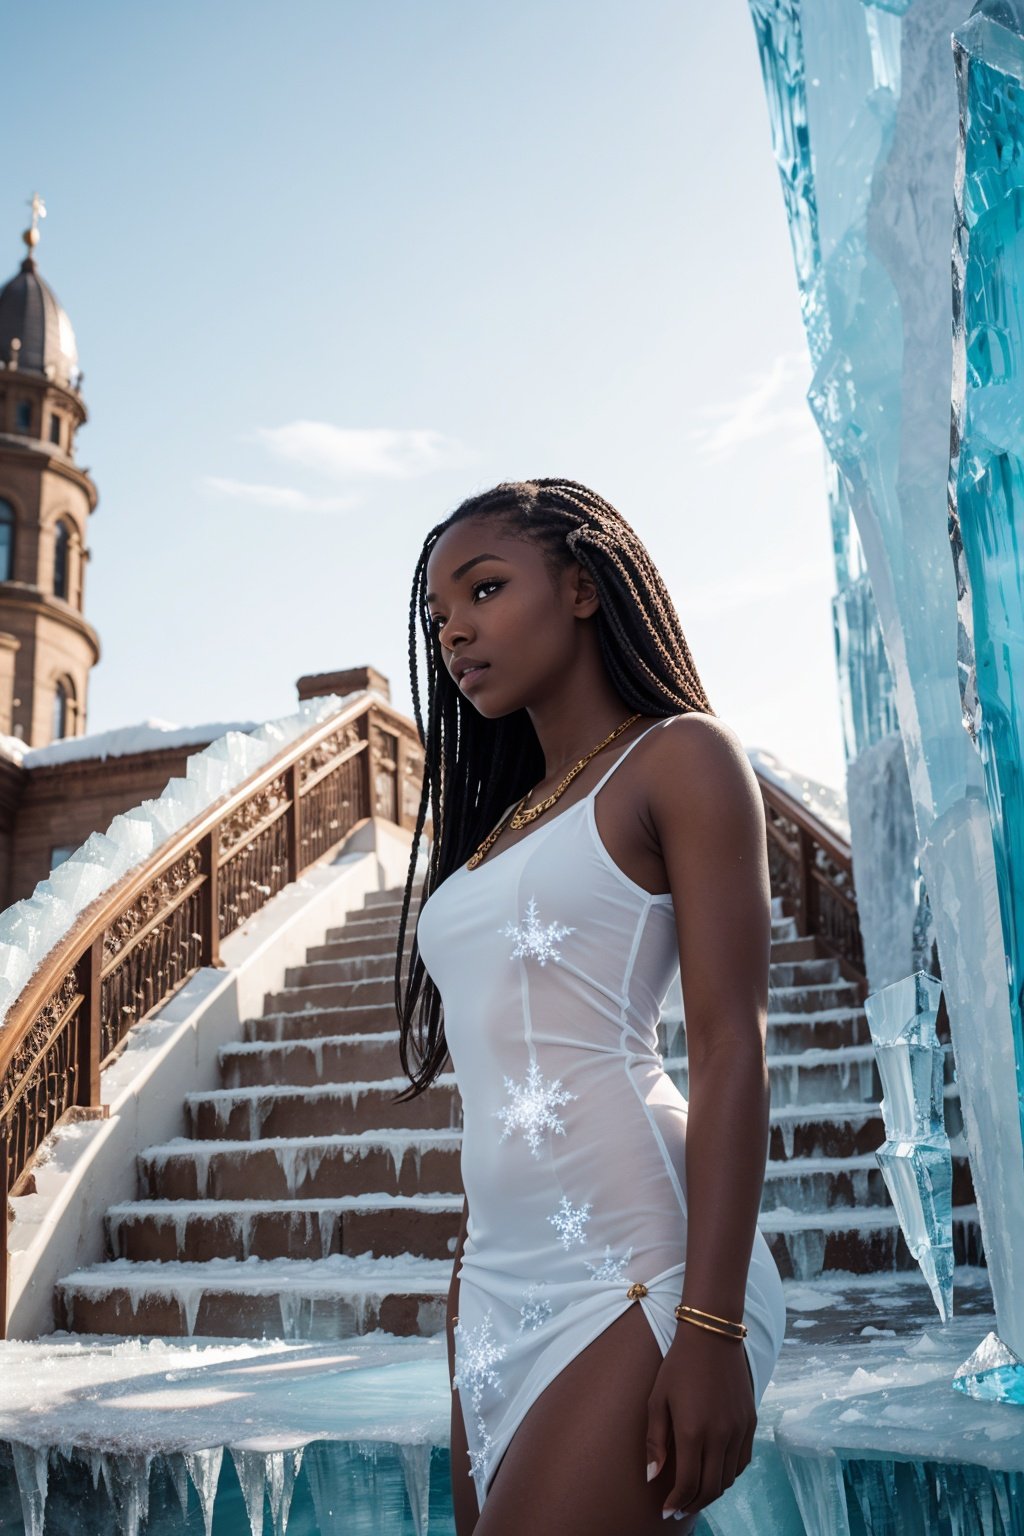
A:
[636,1290]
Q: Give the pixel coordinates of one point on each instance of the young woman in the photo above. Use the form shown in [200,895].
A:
[615,1314]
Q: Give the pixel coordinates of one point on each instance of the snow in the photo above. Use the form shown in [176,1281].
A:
[31,928]
[827,804]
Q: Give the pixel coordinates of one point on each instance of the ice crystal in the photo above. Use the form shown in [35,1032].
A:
[569,1221]
[534,939]
[533,1311]
[610,1267]
[532,1107]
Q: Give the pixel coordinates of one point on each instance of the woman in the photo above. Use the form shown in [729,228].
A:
[615,1313]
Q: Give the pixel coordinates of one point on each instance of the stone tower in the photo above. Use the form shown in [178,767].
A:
[46,647]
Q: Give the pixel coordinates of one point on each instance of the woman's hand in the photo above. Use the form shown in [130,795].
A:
[702,1402]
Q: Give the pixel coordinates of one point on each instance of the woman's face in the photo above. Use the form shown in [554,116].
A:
[492,600]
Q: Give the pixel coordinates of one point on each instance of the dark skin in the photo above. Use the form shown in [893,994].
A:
[683,814]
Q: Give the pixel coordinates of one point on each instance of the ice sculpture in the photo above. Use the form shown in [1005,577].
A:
[863,104]
[986,481]
[915,1158]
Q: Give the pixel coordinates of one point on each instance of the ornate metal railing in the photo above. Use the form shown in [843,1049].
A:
[811,868]
[145,936]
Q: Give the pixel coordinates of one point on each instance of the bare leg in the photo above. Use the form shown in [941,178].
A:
[576,1465]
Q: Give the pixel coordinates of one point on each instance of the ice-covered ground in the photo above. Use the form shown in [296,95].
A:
[864,1375]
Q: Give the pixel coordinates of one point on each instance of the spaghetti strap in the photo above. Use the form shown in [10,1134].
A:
[623,755]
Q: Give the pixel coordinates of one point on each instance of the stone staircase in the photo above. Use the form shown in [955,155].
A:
[306,1204]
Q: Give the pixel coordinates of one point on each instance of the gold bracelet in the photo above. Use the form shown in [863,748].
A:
[687,1314]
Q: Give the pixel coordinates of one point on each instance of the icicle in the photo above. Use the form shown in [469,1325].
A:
[131,1492]
[283,1470]
[251,1467]
[787,1128]
[189,1300]
[204,1470]
[30,1469]
[844,1074]
[806,1249]
[179,1477]
[291,1305]
[415,1461]
[398,1157]
[329,1222]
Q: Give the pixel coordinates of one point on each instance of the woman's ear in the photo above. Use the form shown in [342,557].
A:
[583,590]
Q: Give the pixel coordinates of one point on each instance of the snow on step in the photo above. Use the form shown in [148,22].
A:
[225,1110]
[303,1061]
[299,1158]
[353,1292]
[238,1224]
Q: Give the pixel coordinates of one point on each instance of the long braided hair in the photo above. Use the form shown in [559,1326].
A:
[476,767]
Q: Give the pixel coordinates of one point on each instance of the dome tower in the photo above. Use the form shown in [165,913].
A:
[46,647]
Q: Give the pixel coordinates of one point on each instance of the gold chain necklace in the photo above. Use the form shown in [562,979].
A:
[522,818]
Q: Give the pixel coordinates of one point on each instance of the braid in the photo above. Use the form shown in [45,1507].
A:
[477,767]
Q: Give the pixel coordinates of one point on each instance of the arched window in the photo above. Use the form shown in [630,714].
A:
[63,700]
[61,544]
[6,541]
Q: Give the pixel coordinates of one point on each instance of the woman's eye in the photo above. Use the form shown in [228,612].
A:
[438,619]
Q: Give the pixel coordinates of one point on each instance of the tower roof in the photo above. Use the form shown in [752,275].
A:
[32,315]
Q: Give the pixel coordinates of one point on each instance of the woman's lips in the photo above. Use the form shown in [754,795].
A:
[471,674]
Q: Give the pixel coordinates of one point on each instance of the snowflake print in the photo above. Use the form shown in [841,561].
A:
[479,1458]
[533,939]
[532,1107]
[533,1312]
[476,1357]
[569,1222]
[610,1268]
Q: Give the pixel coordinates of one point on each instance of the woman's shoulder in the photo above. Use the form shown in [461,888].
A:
[699,768]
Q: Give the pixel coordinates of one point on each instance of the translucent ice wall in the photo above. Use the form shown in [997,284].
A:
[864,115]
[987,471]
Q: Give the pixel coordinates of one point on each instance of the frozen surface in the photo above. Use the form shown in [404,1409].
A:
[862,1370]
[31,928]
[863,107]
[120,1404]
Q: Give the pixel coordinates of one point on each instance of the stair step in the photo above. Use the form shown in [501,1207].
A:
[333,1298]
[806,1244]
[395,1162]
[236,1114]
[331,1058]
[809,1077]
[199,1230]
[823,1130]
[812,999]
[313,1023]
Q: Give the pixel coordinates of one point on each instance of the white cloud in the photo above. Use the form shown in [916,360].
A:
[280,497]
[775,405]
[357,453]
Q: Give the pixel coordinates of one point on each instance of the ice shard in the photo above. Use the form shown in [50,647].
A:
[915,1158]
[863,106]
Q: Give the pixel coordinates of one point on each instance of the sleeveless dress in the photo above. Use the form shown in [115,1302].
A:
[552,965]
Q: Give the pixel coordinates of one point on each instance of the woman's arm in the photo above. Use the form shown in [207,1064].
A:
[463,1489]
[707,809]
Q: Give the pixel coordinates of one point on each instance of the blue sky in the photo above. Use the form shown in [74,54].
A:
[334,266]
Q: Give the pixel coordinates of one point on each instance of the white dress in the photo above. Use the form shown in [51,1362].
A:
[552,965]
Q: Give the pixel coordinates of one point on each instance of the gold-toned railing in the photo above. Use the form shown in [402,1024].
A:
[811,868]
[144,937]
